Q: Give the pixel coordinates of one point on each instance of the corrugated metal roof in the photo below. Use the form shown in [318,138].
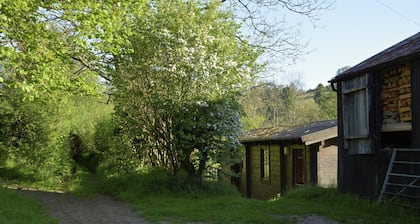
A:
[406,48]
[301,133]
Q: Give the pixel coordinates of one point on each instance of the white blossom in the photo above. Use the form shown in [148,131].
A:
[202,104]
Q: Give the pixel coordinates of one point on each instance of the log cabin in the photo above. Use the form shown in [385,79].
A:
[277,159]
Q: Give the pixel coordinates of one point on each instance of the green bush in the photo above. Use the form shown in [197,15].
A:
[160,181]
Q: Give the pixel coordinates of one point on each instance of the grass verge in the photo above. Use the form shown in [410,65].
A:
[82,183]
[18,209]
[234,209]
[158,202]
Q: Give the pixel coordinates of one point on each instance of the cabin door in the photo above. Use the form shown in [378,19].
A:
[299,166]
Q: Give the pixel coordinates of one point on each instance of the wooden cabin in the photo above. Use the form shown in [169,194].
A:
[378,110]
[277,159]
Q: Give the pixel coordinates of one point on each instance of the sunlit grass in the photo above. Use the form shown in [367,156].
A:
[15,208]
[219,203]
[234,209]
[161,197]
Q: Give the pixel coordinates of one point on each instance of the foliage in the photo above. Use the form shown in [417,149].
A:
[17,209]
[35,135]
[51,54]
[326,98]
[155,182]
[342,69]
[206,132]
[118,155]
[29,140]
[48,46]
[269,104]
[185,54]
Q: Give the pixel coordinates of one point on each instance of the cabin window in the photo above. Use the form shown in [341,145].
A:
[356,115]
[265,164]
[299,166]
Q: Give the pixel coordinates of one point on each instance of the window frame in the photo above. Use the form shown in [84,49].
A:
[265,164]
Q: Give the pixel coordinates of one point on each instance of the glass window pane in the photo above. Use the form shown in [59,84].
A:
[265,164]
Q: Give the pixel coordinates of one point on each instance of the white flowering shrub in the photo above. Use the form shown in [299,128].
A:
[176,92]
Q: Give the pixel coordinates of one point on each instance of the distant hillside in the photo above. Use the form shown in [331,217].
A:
[268,104]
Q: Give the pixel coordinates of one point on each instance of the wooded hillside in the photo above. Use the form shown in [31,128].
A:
[268,104]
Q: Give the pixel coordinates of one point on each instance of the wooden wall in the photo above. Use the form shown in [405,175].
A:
[290,180]
[282,168]
[396,100]
[259,188]
[242,178]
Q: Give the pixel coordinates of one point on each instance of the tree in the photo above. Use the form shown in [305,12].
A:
[48,46]
[342,69]
[276,105]
[51,51]
[185,54]
[206,137]
[279,39]
[326,98]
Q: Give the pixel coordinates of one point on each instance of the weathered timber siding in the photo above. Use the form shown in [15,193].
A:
[415,91]
[289,166]
[391,125]
[327,166]
[259,188]
[289,170]
[243,181]
[307,166]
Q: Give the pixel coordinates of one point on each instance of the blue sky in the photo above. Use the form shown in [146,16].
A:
[352,31]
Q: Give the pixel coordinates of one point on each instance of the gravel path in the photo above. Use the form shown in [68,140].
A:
[70,209]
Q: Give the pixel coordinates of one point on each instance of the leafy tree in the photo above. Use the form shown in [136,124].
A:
[47,46]
[276,105]
[51,52]
[206,136]
[342,69]
[184,53]
[326,98]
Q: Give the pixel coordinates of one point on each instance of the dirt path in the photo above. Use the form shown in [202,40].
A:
[100,209]
[70,209]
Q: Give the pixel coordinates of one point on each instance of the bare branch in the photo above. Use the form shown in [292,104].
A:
[92,68]
[280,40]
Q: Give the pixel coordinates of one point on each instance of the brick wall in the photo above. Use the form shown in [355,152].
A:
[327,166]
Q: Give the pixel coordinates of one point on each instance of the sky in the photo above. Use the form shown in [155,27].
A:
[348,33]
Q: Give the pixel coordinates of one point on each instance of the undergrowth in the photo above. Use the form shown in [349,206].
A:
[162,182]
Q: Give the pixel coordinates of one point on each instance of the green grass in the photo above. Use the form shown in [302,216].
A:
[158,201]
[82,183]
[235,209]
[159,196]
[18,209]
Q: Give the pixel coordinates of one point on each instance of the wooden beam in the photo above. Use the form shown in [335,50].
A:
[320,136]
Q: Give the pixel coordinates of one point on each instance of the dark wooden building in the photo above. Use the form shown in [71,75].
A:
[277,159]
[378,110]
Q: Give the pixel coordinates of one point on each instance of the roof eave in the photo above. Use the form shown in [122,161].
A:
[375,68]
